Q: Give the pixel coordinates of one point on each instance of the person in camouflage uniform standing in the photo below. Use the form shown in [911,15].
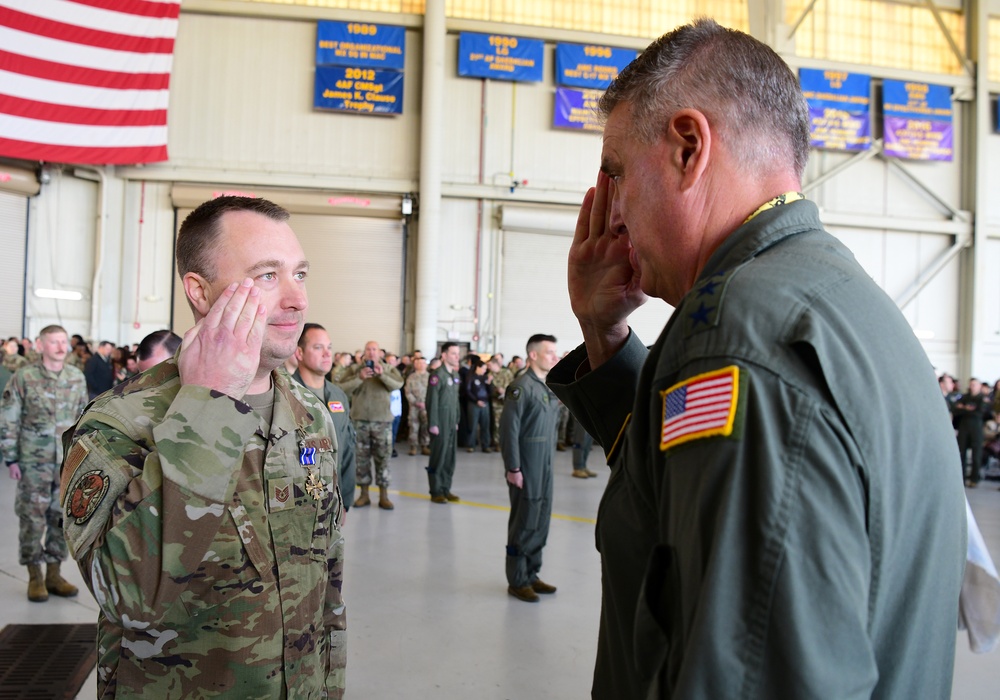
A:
[370,384]
[201,497]
[12,360]
[528,431]
[502,377]
[40,402]
[442,423]
[416,395]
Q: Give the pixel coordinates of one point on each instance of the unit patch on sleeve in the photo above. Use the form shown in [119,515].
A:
[335,406]
[434,381]
[700,407]
[90,490]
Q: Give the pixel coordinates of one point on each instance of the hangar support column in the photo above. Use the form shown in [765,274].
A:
[429,240]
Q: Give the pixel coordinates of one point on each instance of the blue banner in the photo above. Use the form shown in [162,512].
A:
[500,57]
[587,66]
[359,90]
[917,120]
[577,109]
[360,44]
[839,108]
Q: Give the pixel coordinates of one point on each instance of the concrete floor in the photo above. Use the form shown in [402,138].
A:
[429,614]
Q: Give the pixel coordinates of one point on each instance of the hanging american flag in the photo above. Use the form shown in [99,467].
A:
[86,81]
[700,406]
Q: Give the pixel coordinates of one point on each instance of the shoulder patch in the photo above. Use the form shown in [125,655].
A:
[335,406]
[514,393]
[434,380]
[700,407]
[90,490]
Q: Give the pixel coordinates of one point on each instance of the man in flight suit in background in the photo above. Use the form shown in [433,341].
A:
[315,359]
[200,497]
[442,423]
[527,440]
[783,517]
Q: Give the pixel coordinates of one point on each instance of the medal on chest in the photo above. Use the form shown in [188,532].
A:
[308,449]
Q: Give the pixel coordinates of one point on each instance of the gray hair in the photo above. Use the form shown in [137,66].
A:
[750,96]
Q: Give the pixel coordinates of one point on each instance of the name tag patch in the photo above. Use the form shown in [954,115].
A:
[335,406]
[700,407]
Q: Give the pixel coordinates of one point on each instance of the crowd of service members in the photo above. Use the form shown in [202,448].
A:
[975,415]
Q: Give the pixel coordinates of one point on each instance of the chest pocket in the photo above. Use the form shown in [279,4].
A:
[300,512]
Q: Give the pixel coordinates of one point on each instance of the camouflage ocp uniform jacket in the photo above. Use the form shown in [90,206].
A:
[215,554]
[38,405]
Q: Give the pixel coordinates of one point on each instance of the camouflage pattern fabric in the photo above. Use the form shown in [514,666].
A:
[38,405]
[210,540]
[14,362]
[374,444]
[416,392]
[501,380]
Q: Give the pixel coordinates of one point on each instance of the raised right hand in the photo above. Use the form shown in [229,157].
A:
[603,286]
[222,351]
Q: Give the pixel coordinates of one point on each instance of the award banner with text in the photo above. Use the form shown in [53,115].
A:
[917,120]
[358,90]
[500,57]
[360,45]
[587,66]
[577,109]
[839,109]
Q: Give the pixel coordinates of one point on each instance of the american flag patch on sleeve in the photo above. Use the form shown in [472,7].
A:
[700,407]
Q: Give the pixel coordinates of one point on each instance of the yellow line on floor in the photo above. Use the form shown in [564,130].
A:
[490,506]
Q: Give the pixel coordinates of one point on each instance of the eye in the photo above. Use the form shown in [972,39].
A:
[268,276]
[301,275]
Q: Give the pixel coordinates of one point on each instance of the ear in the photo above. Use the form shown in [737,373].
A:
[690,139]
[298,353]
[198,292]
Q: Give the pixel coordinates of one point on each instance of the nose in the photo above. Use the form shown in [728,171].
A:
[293,294]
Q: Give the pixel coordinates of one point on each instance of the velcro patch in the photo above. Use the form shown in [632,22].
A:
[514,393]
[434,381]
[280,494]
[335,406]
[700,407]
[91,488]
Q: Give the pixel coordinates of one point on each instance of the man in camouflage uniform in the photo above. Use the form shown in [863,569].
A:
[416,395]
[528,431]
[314,357]
[201,496]
[12,360]
[370,384]
[442,423]
[502,377]
[40,402]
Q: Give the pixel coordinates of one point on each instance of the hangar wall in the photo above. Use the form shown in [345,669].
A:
[241,118]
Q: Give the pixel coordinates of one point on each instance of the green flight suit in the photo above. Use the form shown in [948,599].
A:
[339,405]
[442,412]
[527,435]
[804,537]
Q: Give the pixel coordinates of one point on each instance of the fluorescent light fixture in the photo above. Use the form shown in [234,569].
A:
[58,294]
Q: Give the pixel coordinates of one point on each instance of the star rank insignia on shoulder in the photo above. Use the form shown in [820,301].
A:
[704,302]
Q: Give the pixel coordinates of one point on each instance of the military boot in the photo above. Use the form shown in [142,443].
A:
[57,585]
[36,584]
[363,500]
[383,499]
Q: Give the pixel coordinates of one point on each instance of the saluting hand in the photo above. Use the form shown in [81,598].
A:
[603,285]
[222,351]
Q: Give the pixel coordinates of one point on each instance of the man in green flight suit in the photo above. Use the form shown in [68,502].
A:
[442,423]
[201,498]
[772,527]
[527,437]
[315,359]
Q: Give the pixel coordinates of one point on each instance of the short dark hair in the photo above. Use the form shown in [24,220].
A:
[169,340]
[537,338]
[305,329]
[200,229]
[445,347]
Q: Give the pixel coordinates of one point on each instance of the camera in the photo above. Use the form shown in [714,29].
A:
[370,364]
